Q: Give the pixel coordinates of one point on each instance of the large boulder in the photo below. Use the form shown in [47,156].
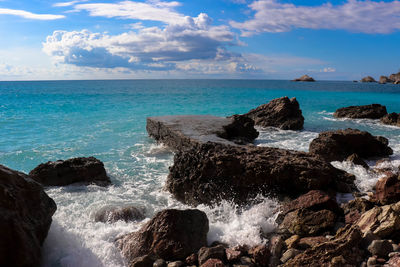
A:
[387,189]
[170,235]
[354,208]
[373,111]
[76,170]
[391,119]
[283,113]
[304,78]
[25,218]
[395,77]
[338,145]
[368,79]
[385,79]
[213,172]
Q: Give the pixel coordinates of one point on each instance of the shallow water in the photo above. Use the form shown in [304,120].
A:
[43,121]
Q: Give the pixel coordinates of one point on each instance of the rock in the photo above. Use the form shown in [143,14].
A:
[160,263]
[356,160]
[176,264]
[382,221]
[373,111]
[387,189]
[275,246]
[368,79]
[391,119]
[304,78]
[304,222]
[283,113]
[246,261]
[186,131]
[170,235]
[393,262]
[289,254]
[76,170]
[213,263]
[144,261]
[371,261]
[354,208]
[395,77]
[381,248]
[260,255]
[213,172]
[25,217]
[338,145]
[345,244]
[385,79]
[292,241]
[111,214]
[312,241]
[205,253]
[233,255]
[192,259]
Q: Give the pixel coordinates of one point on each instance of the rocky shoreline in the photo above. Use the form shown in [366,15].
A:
[216,160]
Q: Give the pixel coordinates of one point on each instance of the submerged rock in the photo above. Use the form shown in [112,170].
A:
[373,111]
[391,119]
[368,79]
[283,113]
[170,235]
[304,78]
[355,159]
[214,172]
[338,145]
[25,217]
[111,214]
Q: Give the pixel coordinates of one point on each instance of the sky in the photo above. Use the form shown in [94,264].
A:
[239,39]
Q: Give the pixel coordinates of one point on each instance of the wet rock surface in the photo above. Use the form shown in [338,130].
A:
[391,119]
[283,113]
[25,217]
[76,170]
[111,214]
[338,145]
[373,111]
[387,189]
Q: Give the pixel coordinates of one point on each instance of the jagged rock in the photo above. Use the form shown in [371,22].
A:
[393,262]
[160,263]
[395,77]
[292,241]
[170,235]
[345,244]
[355,159]
[214,172]
[25,217]
[187,131]
[304,78]
[111,214]
[385,79]
[311,241]
[368,79]
[381,248]
[233,254]
[213,263]
[387,189]
[391,119]
[260,255]
[305,222]
[64,172]
[192,259]
[283,113]
[205,253]
[275,246]
[290,254]
[144,261]
[176,264]
[338,145]
[373,111]
[382,221]
[354,208]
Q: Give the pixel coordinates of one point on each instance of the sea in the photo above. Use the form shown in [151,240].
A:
[44,121]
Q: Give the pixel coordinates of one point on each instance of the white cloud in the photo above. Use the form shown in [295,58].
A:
[354,15]
[66,4]
[328,69]
[29,15]
[151,10]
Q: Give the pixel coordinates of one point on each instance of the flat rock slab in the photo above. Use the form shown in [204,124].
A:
[185,131]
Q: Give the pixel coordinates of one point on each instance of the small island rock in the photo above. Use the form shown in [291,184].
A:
[304,78]
[368,79]
[373,111]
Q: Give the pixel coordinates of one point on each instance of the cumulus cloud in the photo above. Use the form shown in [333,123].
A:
[29,15]
[356,16]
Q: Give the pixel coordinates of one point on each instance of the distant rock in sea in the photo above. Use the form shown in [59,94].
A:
[373,111]
[385,79]
[304,78]
[25,217]
[368,79]
[76,170]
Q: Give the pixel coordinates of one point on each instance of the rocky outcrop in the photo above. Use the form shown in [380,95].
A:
[356,160]
[391,119]
[111,214]
[304,78]
[76,170]
[170,235]
[185,131]
[368,79]
[25,217]
[395,77]
[283,113]
[354,208]
[387,189]
[214,172]
[385,79]
[373,111]
[338,145]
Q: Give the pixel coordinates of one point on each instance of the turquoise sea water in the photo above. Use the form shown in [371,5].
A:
[52,120]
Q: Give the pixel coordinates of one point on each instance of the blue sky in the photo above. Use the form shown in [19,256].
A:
[255,39]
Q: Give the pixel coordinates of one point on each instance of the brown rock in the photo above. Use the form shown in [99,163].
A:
[233,255]
[395,77]
[170,235]
[144,261]
[354,208]
[205,253]
[192,259]
[385,79]
[305,222]
[275,246]
[368,79]
[283,113]
[338,145]
[292,241]
[76,170]
[345,244]
[260,255]
[312,241]
[355,159]
[373,111]
[111,214]
[25,217]
[391,119]
[304,78]
[388,189]
[213,263]
[393,262]
[381,248]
